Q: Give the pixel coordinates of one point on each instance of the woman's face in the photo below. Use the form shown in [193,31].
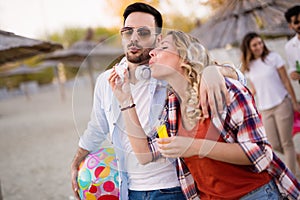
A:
[165,59]
[256,47]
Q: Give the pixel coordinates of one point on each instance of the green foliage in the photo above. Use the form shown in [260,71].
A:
[14,81]
[71,72]
[215,4]
[72,35]
[11,82]
[119,6]
[45,77]
[179,22]
[105,32]
[68,36]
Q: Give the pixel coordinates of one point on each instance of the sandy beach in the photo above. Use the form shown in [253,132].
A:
[38,139]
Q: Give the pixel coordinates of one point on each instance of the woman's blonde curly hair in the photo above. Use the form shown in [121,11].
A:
[195,59]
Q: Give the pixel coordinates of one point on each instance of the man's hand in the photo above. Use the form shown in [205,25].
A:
[80,155]
[121,89]
[295,75]
[213,92]
[74,174]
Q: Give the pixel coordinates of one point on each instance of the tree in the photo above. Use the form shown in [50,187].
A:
[117,7]
[173,17]
[214,4]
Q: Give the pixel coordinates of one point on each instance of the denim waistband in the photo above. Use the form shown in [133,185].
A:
[271,184]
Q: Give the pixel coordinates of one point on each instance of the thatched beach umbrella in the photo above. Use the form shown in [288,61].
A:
[21,70]
[77,52]
[14,47]
[86,53]
[236,18]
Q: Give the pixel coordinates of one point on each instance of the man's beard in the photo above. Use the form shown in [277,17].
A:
[142,58]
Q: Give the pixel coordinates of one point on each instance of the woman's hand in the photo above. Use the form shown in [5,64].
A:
[177,146]
[213,91]
[120,88]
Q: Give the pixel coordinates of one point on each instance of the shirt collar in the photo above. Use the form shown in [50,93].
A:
[295,41]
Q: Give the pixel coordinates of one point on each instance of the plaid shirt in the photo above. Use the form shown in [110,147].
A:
[241,123]
[185,178]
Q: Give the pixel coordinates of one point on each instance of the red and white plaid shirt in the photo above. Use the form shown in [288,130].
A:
[240,123]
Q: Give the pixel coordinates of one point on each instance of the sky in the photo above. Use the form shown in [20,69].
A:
[36,18]
[40,18]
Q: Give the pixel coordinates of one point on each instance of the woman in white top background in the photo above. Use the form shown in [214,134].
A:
[276,100]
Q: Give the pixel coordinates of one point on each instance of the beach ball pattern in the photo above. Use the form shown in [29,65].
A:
[98,176]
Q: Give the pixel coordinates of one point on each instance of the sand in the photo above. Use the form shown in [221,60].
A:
[38,139]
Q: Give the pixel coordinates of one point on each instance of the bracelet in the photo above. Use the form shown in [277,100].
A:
[128,107]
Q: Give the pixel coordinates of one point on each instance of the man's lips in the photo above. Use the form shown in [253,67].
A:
[133,49]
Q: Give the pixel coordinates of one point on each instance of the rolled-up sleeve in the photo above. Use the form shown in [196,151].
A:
[97,129]
[241,78]
[251,135]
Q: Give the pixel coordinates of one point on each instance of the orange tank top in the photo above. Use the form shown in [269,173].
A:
[216,179]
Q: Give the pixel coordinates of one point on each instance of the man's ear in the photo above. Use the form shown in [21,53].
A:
[290,26]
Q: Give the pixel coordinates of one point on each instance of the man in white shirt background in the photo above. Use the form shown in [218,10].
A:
[292,47]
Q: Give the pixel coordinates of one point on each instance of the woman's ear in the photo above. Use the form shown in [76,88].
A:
[183,62]
[184,67]
[158,38]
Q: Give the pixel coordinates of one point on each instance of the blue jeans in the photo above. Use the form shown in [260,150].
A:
[268,191]
[162,194]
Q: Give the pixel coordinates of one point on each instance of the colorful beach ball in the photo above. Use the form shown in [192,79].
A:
[98,176]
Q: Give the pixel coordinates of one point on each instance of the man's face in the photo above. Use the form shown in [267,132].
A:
[138,37]
[295,23]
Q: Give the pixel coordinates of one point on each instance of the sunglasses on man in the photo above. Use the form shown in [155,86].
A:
[296,22]
[143,33]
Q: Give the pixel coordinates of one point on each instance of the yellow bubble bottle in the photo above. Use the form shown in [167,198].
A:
[162,131]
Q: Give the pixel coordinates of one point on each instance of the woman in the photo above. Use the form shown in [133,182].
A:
[275,96]
[230,159]
[233,162]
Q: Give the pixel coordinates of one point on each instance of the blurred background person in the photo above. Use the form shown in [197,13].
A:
[276,100]
[292,47]
[292,50]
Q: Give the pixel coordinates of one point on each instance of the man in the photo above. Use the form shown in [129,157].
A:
[157,179]
[292,47]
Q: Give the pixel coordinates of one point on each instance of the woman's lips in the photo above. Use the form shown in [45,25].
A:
[151,62]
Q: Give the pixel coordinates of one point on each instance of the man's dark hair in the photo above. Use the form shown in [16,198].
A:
[293,11]
[145,8]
